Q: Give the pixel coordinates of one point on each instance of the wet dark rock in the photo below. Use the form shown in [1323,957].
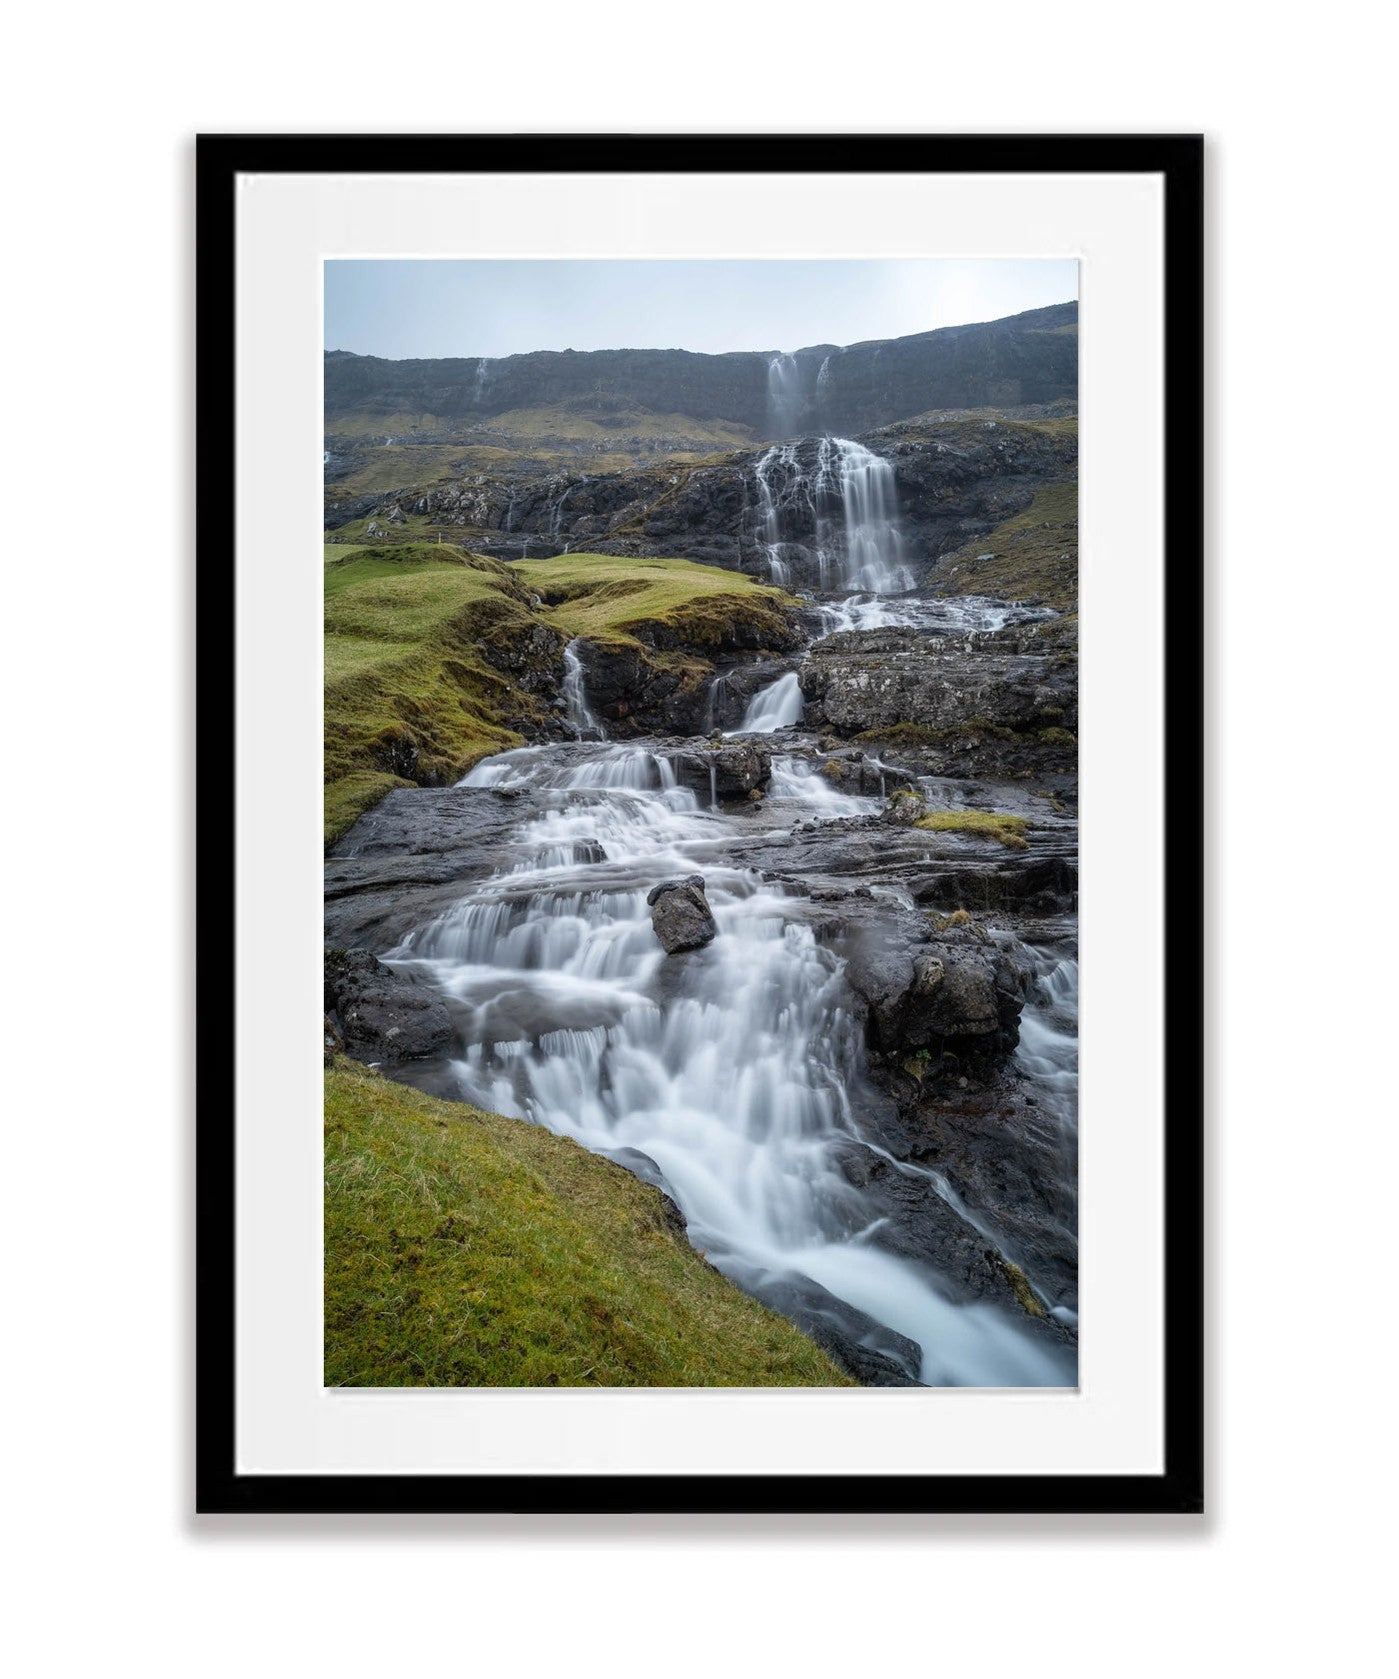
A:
[934,995]
[873,1354]
[680,914]
[1011,1168]
[738,768]
[382,1015]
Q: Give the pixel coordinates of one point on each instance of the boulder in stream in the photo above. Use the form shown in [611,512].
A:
[680,914]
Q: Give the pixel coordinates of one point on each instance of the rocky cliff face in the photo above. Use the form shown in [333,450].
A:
[1028,358]
[954,479]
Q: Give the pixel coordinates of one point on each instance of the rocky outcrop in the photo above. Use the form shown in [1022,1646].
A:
[379,1015]
[955,996]
[882,680]
[732,770]
[954,479]
[658,680]
[680,914]
[1027,358]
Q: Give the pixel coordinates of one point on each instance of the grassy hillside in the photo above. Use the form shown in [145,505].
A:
[1031,556]
[465,1249]
[406,685]
[428,661]
[604,598]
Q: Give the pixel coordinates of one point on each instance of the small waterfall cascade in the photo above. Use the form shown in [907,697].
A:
[735,1069]
[831,522]
[556,518]
[716,703]
[777,706]
[575,698]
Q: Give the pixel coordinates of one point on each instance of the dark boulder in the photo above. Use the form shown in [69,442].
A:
[955,994]
[731,771]
[680,914]
[382,1015]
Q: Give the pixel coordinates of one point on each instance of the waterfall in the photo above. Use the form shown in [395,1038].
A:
[556,523]
[784,395]
[781,458]
[735,1069]
[575,697]
[873,545]
[777,706]
[716,703]
[835,519]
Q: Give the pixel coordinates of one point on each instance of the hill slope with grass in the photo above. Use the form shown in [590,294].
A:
[466,1249]
[420,642]
[435,657]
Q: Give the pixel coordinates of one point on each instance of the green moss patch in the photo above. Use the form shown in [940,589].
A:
[466,1249]
[982,824]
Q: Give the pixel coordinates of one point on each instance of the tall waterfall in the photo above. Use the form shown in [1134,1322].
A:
[873,544]
[784,395]
[831,522]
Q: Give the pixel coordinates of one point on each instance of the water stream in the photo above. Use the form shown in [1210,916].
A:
[738,1070]
[734,1070]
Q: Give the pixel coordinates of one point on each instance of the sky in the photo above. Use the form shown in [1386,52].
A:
[449,307]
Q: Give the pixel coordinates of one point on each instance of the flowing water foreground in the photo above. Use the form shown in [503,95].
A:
[738,1076]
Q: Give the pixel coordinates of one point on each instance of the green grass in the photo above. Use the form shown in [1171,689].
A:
[981,824]
[581,425]
[466,1249]
[396,466]
[1031,556]
[415,527]
[404,629]
[604,598]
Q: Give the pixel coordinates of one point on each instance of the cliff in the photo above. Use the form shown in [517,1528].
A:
[1022,359]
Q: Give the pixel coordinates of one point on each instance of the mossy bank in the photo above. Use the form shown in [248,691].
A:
[466,1249]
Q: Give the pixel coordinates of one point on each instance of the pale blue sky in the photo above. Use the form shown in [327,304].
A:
[481,308]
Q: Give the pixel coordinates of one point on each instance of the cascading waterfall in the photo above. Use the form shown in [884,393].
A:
[777,706]
[873,544]
[781,457]
[838,519]
[575,698]
[556,521]
[732,1069]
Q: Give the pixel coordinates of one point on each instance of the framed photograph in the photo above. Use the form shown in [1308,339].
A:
[711,864]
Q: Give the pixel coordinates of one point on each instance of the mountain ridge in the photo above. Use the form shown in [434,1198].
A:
[1031,357]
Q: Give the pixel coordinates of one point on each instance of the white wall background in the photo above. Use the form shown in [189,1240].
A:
[1285,1574]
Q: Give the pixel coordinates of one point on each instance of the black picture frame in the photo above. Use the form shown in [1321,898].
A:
[1178,159]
